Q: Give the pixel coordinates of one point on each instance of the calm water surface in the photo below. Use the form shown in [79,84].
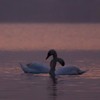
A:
[47,36]
[22,43]
[16,85]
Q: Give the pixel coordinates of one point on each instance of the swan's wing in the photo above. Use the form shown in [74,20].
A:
[39,67]
[34,68]
[64,71]
[25,68]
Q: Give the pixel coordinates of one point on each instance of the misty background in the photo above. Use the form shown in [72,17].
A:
[49,11]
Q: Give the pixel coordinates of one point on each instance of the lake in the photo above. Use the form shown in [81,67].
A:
[77,44]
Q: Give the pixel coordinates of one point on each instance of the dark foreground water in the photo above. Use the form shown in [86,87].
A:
[16,85]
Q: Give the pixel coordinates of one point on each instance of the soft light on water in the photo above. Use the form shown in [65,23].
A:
[46,36]
[16,85]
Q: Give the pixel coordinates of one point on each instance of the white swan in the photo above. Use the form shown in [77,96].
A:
[66,70]
[37,68]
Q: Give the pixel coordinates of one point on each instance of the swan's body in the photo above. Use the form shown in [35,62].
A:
[69,70]
[37,68]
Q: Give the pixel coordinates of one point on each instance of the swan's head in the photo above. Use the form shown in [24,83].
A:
[51,52]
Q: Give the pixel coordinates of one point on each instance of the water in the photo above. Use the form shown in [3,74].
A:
[18,44]
[47,36]
[16,85]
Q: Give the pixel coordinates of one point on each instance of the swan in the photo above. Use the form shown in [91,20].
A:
[66,70]
[37,68]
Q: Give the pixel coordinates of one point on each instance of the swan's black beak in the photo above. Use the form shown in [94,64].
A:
[63,63]
[47,57]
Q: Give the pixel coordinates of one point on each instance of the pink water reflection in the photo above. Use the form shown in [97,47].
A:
[46,36]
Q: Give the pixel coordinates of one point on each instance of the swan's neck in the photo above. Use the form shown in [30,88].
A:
[53,66]
[54,56]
